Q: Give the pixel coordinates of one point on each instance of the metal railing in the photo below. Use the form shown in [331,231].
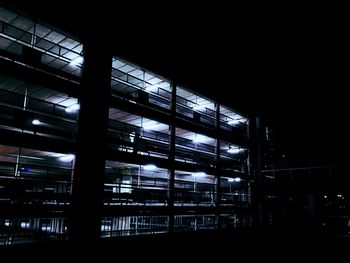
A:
[133,225]
[29,230]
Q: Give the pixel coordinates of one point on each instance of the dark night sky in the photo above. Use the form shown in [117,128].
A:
[287,63]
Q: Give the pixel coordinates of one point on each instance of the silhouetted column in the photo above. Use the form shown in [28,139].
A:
[255,168]
[172,158]
[87,191]
[313,210]
[218,166]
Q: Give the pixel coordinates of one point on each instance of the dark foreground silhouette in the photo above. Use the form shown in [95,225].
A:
[270,244]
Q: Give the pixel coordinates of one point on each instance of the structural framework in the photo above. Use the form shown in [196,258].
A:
[91,143]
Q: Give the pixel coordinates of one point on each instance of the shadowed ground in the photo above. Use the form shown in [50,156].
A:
[272,244]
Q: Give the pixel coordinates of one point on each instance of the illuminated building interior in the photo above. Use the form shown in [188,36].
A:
[175,160]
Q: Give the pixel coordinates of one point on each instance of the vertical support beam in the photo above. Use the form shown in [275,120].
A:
[313,216]
[255,168]
[252,171]
[172,158]
[218,166]
[258,138]
[87,189]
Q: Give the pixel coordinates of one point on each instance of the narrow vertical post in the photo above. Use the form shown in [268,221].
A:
[172,157]
[218,165]
[255,163]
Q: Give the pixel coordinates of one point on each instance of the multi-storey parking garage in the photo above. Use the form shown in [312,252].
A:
[94,140]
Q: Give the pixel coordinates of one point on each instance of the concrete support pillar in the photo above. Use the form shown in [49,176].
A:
[313,210]
[88,179]
[218,165]
[257,196]
[172,158]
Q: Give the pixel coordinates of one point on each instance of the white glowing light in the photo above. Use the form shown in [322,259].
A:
[199,174]
[150,167]
[150,126]
[67,158]
[73,108]
[234,150]
[200,138]
[234,122]
[237,179]
[199,107]
[58,155]
[77,61]
[36,122]
[154,126]
[132,136]
[231,180]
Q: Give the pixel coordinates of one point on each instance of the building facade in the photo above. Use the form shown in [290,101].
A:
[92,145]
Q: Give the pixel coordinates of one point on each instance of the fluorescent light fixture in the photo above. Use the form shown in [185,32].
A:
[234,122]
[67,158]
[230,179]
[77,61]
[149,167]
[24,224]
[73,108]
[150,126]
[36,122]
[200,138]
[237,179]
[58,155]
[154,126]
[199,174]
[234,150]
